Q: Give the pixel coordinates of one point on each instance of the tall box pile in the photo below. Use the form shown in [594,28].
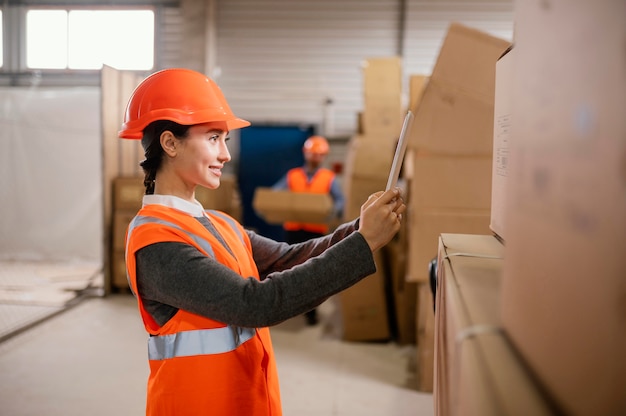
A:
[365,308]
[452,143]
[564,275]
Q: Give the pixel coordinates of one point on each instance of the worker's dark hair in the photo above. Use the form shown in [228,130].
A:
[153,151]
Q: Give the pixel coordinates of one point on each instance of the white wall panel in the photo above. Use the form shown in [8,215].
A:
[280,60]
[427,22]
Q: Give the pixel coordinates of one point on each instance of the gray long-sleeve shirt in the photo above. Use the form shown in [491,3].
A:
[294,278]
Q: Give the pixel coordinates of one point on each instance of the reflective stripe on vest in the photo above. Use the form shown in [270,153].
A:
[200,342]
[230,221]
[140,220]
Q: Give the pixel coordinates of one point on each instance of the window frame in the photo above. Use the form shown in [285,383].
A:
[14,71]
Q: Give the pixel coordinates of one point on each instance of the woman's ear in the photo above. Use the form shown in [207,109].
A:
[169,143]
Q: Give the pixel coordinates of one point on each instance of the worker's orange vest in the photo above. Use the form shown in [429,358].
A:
[297,181]
[199,366]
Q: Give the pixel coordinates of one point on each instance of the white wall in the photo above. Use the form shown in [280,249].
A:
[50,174]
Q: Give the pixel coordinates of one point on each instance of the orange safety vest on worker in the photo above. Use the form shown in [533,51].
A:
[199,366]
[297,181]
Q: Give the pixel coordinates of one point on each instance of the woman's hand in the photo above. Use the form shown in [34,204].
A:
[380,217]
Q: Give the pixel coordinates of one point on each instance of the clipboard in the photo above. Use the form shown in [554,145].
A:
[398,157]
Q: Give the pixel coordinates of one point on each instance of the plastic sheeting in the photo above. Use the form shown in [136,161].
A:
[50,174]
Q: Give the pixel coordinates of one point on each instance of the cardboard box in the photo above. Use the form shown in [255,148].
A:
[502,120]
[119,279]
[451,121]
[455,115]
[425,338]
[467,60]
[366,171]
[404,293]
[417,84]
[564,278]
[467,300]
[128,192]
[279,206]
[382,118]
[382,76]
[451,182]
[492,381]
[364,310]
[368,158]
[424,231]
[121,219]
[220,199]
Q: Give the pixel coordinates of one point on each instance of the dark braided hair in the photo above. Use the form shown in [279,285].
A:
[153,151]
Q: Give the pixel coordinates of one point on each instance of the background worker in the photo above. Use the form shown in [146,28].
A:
[314,178]
[207,289]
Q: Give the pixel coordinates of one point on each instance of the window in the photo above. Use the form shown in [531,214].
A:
[87,39]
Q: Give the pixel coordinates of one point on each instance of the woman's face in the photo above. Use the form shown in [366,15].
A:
[202,155]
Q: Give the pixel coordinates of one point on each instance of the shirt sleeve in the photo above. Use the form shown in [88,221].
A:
[295,279]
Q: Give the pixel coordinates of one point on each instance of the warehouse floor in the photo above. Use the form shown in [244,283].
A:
[90,359]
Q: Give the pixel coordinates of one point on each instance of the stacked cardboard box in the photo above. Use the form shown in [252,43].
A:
[564,277]
[450,154]
[365,306]
[452,139]
[128,193]
[476,372]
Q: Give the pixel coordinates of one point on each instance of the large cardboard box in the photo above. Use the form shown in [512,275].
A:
[382,116]
[382,76]
[279,206]
[222,198]
[364,308]
[425,350]
[492,381]
[455,115]
[128,192]
[451,182]
[564,278]
[367,167]
[502,120]
[467,304]
[121,219]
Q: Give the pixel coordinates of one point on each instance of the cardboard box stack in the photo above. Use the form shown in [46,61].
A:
[365,306]
[476,371]
[564,276]
[451,145]
[128,193]
[559,324]
[452,142]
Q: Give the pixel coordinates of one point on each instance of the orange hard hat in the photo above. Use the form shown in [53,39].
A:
[181,95]
[316,144]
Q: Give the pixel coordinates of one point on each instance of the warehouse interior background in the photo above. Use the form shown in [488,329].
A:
[278,62]
[293,68]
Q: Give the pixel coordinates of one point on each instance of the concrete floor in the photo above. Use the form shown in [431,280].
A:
[91,360]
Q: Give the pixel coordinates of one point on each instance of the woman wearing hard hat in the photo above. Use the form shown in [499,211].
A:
[208,289]
[314,178]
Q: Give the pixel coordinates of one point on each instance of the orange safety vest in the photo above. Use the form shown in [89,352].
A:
[297,181]
[199,366]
